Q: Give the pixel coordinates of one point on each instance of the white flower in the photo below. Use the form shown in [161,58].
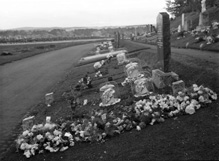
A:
[25,133]
[27,153]
[198,106]
[68,134]
[200,92]
[196,89]
[201,99]
[180,93]
[179,98]
[57,132]
[175,112]
[214,96]
[187,102]
[186,98]
[85,102]
[39,137]
[190,109]
[138,128]
[24,146]
[82,133]
[72,142]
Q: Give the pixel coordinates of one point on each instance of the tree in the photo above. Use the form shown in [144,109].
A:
[177,7]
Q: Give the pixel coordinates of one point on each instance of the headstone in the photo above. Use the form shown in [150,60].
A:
[121,58]
[187,44]
[203,16]
[178,86]
[28,123]
[132,70]
[189,23]
[186,25]
[203,2]
[49,99]
[142,87]
[201,46]
[157,77]
[117,39]
[163,41]
[183,21]
[162,79]
[179,29]
[109,94]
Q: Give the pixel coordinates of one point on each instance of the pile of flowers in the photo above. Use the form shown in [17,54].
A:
[160,107]
[44,137]
[106,122]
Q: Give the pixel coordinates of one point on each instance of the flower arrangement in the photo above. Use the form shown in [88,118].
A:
[104,123]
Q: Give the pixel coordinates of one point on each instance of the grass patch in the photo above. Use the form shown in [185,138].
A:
[23,51]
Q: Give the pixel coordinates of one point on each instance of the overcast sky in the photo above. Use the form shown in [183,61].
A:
[75,13]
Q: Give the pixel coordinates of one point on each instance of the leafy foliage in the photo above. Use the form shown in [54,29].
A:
[177,7]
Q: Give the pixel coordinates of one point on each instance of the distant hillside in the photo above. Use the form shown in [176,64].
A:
[76,28]
[194,16]
[47,28]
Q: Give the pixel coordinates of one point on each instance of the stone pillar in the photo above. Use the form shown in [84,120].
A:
[183,21]
[116,40]
[200,23]
[203,16]
[163,41]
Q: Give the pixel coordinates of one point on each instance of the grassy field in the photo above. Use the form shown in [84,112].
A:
[181,43]
[27,50]
[186,137]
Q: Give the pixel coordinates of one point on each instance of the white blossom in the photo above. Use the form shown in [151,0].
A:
[190,109]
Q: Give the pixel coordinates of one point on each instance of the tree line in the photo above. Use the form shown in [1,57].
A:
[177,7]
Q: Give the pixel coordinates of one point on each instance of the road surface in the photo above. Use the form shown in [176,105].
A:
[24,83]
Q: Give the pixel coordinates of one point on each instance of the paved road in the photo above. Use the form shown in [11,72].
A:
[23,83]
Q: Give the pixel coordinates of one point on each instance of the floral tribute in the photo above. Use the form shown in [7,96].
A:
[106,122]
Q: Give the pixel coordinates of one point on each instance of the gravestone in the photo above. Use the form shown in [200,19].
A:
[117,39]
[190,27]
[183,21]
[49,98]
[178,86]
[203,17]
[179,29]
[109,93]
[28,123]
[163,41]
